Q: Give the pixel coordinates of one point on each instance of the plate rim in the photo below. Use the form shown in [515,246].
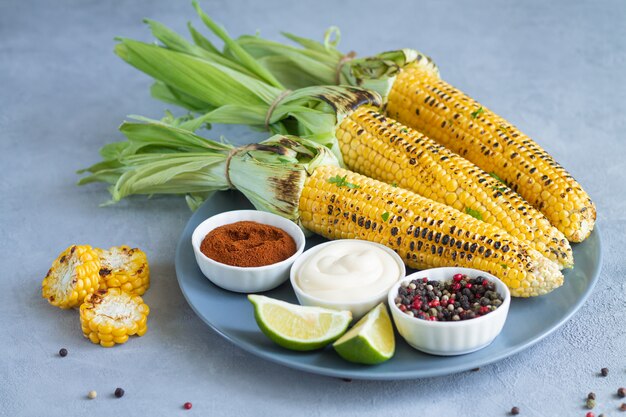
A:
[395,375]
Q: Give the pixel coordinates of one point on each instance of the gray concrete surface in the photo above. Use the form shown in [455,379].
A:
[557,69]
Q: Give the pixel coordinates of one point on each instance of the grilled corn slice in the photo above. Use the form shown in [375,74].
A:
[421,100]
[73,276]
[110,317]
[125,268]
[381,148]
[339,204]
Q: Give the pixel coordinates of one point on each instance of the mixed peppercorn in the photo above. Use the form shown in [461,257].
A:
[462,298]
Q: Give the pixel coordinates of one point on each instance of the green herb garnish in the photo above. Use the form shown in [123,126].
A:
[504,266]
[496,188]
[476,112]
[494,175]
[503,128]
[342,182]
[385,216]
[394,184]
[474,213]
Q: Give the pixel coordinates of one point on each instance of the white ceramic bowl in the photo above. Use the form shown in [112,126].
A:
[450,337]
[358,308]
[246,279]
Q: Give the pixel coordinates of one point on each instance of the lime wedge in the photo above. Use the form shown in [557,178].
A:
[370,341]
[297,327]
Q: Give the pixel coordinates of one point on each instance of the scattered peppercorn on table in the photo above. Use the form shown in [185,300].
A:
[529,64]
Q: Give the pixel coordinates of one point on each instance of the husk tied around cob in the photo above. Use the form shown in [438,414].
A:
[232,87]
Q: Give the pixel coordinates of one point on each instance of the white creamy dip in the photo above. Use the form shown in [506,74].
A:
[347,271]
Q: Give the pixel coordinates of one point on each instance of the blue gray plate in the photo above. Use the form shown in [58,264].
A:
[231,315]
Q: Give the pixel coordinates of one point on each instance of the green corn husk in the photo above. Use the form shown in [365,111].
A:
[161,157]
[232,87]
[306,64]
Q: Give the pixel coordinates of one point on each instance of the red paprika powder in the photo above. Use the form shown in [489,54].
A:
[248,244]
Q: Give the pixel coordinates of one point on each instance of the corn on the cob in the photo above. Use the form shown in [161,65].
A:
[421,100]
[125,268]
[73,276]
[109,317]
[381,148]
[339,204]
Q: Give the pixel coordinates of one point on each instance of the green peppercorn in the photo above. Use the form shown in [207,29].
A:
[590,403]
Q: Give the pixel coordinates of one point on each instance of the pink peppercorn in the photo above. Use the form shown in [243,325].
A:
[187,406]
[457,277]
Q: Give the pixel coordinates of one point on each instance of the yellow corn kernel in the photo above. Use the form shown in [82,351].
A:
[424,233]
[73,276]
[126,268]
[108,317]
[422,100]
[434,172]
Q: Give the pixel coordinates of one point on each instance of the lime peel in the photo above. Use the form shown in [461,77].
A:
[298,327]
[371,341]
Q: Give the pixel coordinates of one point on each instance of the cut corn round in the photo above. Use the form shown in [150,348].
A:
[382,148]
[125,268]
[425,102]
[73,276]
[424,233]
[109,317]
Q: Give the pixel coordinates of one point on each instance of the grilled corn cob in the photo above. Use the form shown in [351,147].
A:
[339,204]
[421,100]
[73,276]
[125,268]
[381,148]
[109,317]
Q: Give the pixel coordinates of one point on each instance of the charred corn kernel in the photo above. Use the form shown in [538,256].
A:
[421,100]
[73,276]
[125,268]
[108,317]
[432,171]
[424,233]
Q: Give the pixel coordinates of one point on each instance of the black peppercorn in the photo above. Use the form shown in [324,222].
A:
[604,371]
[621,392]
[63,352]
[515,411]
[119,392]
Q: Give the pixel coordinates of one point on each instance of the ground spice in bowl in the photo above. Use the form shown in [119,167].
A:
[248,244]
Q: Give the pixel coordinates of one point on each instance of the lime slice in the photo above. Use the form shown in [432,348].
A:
[370,341]
[297,327]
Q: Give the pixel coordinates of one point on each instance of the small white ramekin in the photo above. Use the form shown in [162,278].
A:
[358,308]
[246,279]
[447,338]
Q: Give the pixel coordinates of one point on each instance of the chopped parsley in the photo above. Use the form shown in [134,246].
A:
[394,184]
[385,216]
[504,266]
[494,175]
[474,213]
[477,112]
[342,182]
[501,189]
[404,130]
[503,128]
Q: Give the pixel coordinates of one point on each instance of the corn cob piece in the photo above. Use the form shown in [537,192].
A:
[73,276]
[110,317]
[379,147]
[423,101]
[125,268]
[339,204]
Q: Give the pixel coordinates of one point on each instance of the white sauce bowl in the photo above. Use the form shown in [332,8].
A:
[447,338]
[359,307]
[246,279]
